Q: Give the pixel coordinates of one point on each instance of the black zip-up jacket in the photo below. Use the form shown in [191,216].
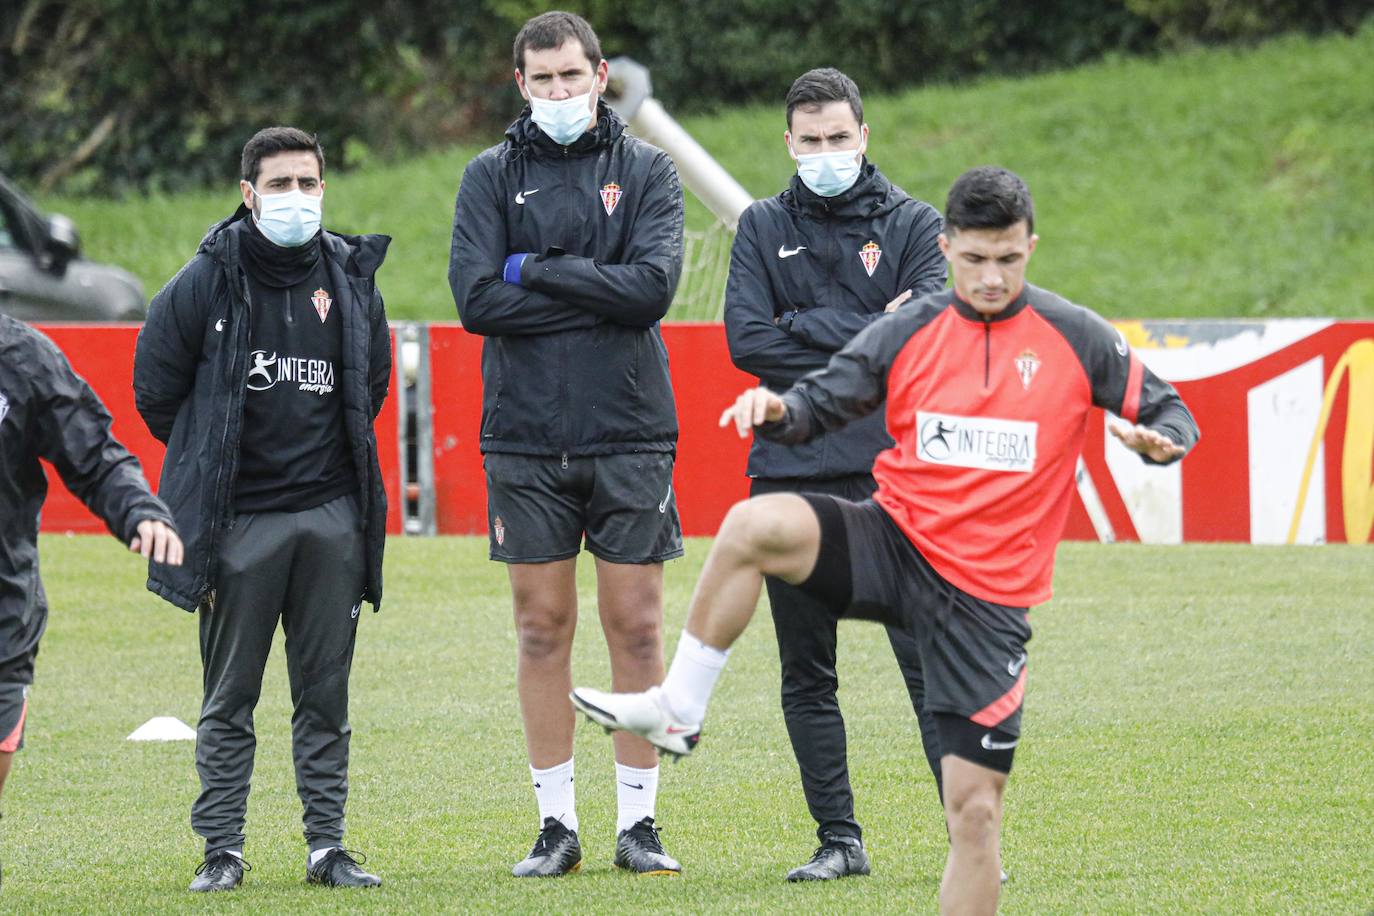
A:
[48,411]
[190,377]
[573,363]
[801,287]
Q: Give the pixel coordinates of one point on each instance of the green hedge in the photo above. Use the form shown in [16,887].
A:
[101,95]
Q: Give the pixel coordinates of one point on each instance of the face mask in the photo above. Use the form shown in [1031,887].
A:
[289,219]
[565,120]
[829,174]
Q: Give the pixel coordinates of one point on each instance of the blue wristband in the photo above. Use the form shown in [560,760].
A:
[511,271]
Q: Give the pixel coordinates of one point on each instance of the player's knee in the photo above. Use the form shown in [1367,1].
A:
[973,814]
[638,637]
[543,636]
[753,529]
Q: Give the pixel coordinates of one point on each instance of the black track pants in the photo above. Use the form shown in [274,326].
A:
[806,649]
[306,569]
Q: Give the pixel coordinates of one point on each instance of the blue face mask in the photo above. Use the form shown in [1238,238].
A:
[565,120]
[289,219]
[829,174]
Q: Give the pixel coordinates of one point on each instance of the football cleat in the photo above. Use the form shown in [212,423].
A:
[339,868]
[641,714]
[836,857]
[221,871]
[638,849]
[556,852]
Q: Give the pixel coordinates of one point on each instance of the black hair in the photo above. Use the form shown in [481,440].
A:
[550,30]
[272,140]
[825,84]
[988,197]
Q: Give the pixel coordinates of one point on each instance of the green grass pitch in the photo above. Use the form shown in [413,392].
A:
[1197,740]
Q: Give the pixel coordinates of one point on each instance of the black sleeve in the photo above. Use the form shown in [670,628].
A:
[169,346]
[757,344]
[379,354]
[488,305]
[829,329]
[1124,385]
[852,385]
[73,433]
[637,291]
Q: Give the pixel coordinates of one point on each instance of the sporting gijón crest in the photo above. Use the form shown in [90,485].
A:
[322,302]
[870,254]
[610,197]
[1027,364]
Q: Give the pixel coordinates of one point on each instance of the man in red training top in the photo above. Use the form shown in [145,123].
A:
[988,389]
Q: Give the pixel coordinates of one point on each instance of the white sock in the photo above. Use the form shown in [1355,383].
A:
[235,852]
[316,854]
[553,790]
[635,791]
[691,678]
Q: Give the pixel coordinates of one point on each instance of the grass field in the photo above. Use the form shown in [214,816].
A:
[1221,183]
[1197,724]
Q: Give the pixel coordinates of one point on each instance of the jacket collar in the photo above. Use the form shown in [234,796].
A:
[871,195]
[358,255]
[527,137]
[1013,308]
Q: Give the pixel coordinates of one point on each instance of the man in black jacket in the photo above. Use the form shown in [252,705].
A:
[47,411]
[810,268]
[567,246]
[262,366]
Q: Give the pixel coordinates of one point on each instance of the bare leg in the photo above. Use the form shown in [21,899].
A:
[973,812]
[630,597]
[775,535]
[6,759]
[545,597]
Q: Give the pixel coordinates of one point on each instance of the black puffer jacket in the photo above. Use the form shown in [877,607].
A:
[190,375]
[807,273]
[573,363]
[48,411]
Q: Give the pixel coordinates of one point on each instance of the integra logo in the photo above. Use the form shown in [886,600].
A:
[313,375]
[976,442]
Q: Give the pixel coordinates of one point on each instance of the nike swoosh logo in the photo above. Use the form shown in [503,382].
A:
[1016,664]
[663,506]
[784,252]
[219,325]
[520,198]
[990,745]
[678,730]
[632,785]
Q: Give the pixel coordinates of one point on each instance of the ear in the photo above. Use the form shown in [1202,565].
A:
[520,84]
[944,245]
[246,190]
[787,139]
[863,139]
[1031,248]
[603,75]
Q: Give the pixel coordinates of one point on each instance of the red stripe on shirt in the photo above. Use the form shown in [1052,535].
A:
[1130,404]
[997,711]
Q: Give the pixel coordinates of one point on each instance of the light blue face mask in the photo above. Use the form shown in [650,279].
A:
[829,174]
[289,219]
[565,120]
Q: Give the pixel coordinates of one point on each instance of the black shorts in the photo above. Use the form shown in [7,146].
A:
[14,708]
[540,509]
[973,651]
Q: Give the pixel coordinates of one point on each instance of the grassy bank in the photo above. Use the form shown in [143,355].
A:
[1219,183]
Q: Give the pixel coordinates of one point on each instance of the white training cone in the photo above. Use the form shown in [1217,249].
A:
[164,728]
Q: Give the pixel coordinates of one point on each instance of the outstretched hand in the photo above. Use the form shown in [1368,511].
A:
[158,541]
[754,407]
[1149,442]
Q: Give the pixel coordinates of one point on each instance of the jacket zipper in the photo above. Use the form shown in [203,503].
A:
[987,350]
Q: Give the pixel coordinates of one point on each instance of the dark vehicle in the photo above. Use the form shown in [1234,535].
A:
[43,276]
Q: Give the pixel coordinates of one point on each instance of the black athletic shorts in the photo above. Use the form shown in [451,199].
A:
[973,651]
[540,509]
[14,707]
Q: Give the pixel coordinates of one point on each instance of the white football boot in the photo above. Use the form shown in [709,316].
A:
[641,714]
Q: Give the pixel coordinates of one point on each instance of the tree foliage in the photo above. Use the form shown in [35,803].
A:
[102,95]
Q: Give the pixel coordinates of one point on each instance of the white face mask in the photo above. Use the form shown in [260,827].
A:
[829,174]
[565,120]
[289,219]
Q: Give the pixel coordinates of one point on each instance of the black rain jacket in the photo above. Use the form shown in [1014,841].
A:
[48,411]
[190,377]
[573,363]
[800,288]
